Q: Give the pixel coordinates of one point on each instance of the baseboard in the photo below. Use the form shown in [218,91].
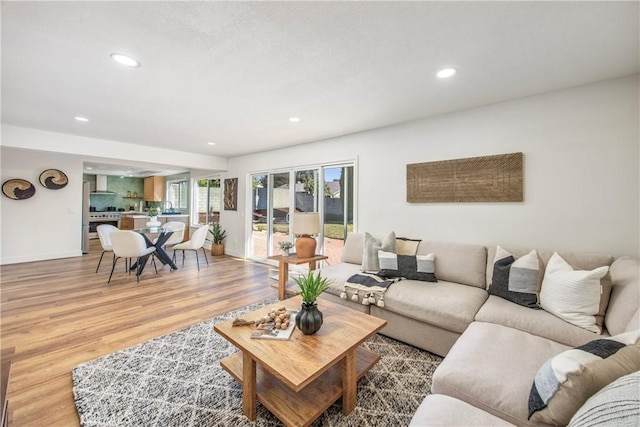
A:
[233,253]
[43,257]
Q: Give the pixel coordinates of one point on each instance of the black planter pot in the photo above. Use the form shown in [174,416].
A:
[309,320]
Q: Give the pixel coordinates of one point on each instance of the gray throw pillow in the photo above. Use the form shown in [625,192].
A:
[371,247]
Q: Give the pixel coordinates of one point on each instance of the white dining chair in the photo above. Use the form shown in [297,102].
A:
[196,242]
[104,233]
[128,245]
[177,228]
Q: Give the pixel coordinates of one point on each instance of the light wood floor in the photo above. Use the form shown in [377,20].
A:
[58,314]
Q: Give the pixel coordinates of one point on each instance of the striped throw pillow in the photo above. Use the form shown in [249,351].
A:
[618,404]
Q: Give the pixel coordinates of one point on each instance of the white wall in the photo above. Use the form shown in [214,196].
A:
[581,172]
[49,224]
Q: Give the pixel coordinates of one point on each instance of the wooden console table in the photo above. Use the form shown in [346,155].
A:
[283,269]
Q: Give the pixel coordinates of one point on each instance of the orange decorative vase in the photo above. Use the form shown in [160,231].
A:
[305,246]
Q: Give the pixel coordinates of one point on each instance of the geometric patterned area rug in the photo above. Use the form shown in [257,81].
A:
[176,380]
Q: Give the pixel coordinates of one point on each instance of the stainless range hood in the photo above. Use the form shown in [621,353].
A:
[101,186]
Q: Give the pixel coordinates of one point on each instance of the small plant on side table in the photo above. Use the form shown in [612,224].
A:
[218,234]
[285,247]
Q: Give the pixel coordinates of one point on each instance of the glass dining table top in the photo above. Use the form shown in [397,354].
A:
[150,230]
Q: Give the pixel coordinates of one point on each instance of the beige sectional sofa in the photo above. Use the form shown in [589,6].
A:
[492,347]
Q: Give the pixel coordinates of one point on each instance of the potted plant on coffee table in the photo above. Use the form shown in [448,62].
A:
[218,234]
[309,319]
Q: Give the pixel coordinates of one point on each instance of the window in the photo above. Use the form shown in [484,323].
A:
[178,194]
[207,200]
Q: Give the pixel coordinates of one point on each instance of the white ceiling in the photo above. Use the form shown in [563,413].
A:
[234,72]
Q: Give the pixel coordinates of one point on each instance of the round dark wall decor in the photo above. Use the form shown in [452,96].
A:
[18,189]
[53,179]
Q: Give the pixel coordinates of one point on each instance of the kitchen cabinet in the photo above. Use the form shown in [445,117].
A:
[126,223]
[154,189]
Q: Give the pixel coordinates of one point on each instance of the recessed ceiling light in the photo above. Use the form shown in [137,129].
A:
[211,143]
[88,168]
[446,72]
[123,59]
[81,119]
[294,119]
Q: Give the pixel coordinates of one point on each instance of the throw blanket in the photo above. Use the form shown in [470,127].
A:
[370,286]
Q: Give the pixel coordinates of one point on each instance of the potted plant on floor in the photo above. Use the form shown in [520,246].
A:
[218,235]
[309,319]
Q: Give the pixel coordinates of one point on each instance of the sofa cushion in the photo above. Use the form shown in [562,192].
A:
[458,262]
[448,305]
[625,295]
[444,411]
[414,267]
[431,338]
[579,261]
[517,280]
[352,250]
[565,382]
[371,246]
[488,368]
[572,295]
[634,323]
[337,274]
[617,404]
[537,322]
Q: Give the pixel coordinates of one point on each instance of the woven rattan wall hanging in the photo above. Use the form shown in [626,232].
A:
[477,179]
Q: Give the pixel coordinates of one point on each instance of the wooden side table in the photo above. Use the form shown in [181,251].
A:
[283,269]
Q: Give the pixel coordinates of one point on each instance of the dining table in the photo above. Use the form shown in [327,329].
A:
[162,237]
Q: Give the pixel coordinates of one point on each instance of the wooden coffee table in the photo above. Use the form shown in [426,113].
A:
[298,379]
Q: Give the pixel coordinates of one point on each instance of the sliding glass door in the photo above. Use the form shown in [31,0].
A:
[338,210]
[259,216]
[280,215]
[275,196]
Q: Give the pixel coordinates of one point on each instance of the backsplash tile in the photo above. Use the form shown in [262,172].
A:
[121,186]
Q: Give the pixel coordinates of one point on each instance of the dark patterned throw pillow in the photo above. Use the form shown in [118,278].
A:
[416,267]
[516,280]
[565,382]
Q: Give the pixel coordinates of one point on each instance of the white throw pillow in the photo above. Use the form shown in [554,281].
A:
[572,295]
